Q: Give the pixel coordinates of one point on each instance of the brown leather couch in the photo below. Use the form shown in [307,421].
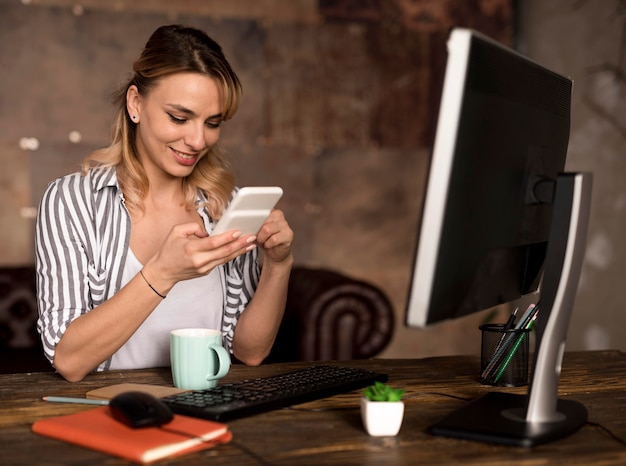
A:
[329,316]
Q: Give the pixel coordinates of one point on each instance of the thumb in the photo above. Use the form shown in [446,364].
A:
[190,229]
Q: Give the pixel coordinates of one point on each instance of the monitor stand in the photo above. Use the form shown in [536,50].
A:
[540,416]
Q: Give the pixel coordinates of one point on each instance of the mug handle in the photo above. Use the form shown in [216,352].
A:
[224,362]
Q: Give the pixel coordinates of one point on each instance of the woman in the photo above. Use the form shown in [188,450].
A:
[123,248]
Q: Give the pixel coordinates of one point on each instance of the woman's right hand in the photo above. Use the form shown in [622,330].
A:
[189,252]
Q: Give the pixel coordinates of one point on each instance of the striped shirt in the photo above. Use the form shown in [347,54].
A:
[82,239]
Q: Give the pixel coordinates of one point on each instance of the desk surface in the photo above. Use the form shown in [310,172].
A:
[330,431]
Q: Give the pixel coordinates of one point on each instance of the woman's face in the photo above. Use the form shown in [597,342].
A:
[177,121]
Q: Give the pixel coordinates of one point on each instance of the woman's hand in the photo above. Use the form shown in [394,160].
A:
[189,252]
[275,238]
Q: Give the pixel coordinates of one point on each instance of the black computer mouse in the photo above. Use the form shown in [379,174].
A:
[139,409]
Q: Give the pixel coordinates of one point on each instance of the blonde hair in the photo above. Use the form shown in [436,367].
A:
[172,49]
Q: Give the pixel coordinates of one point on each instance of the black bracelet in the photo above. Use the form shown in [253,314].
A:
[151,287]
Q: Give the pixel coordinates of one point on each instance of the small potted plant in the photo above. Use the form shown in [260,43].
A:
[382,410]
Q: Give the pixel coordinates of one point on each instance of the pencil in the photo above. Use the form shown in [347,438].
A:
[66,399]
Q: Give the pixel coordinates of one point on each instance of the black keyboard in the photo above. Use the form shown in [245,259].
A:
[235,400]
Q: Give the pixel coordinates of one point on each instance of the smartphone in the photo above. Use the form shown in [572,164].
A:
[249,209]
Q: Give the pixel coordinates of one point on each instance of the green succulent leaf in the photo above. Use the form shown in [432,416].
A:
[382,392]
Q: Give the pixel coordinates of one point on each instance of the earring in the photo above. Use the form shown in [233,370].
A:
[134,117]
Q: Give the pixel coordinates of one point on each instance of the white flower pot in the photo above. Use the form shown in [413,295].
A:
[382,418]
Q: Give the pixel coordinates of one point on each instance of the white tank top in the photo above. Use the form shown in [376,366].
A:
[190,303]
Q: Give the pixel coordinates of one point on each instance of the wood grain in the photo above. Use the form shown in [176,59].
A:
[329,431]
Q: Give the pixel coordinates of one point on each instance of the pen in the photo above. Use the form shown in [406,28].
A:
[511,321]
[66,399]
[532,310]
[507,326]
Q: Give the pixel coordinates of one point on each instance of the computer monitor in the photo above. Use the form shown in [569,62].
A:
[502,220]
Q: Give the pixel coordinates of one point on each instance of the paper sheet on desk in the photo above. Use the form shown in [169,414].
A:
[106,393]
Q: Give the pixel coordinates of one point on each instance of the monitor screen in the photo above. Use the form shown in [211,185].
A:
[502,135]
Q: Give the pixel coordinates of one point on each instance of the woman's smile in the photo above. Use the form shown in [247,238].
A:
[184,158]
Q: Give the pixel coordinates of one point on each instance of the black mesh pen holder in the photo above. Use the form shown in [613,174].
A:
[504,355]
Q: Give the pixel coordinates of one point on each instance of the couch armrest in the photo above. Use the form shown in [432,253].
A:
[330,316]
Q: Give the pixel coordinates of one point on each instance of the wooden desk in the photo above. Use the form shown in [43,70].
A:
[302,436]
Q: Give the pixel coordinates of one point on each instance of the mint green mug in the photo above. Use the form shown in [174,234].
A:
[198,358]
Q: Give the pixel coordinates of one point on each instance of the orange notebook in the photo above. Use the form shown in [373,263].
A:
[98,430]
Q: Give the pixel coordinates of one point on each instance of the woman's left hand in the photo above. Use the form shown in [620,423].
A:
[275,237]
